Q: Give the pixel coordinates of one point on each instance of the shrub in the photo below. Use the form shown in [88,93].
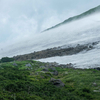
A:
[6,59]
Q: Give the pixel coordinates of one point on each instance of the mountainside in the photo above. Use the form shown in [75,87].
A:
[57,51]
[77,41]
[85,14]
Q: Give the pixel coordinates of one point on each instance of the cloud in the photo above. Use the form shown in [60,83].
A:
[82,31]
[21,19]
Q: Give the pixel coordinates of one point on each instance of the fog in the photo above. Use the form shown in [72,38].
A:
[82,31]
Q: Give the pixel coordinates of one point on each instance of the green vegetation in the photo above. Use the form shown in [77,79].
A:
[25,80]
[6,59]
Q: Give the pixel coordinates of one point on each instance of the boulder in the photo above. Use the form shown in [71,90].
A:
[55,73]
[56,82]
[53,64]
[28,65]
[98,68]
[96,90]
[42,66]
[69,65]
[94,84]
[45,69]
[66,73]
[52,69]
[15,64]
[66,66]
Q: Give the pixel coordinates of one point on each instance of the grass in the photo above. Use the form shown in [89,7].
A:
[20,83]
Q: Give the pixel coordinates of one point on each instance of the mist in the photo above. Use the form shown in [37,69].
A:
[82,31]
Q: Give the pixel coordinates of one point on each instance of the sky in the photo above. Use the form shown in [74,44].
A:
[22,19]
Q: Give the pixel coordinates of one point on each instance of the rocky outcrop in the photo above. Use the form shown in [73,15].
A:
[45,69]
[55,73]
[98,68]
[56,51]
[28,65]
[14,64]
[56,82]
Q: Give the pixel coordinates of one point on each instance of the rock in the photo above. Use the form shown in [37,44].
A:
[69,65]
[31,68]
[94,71]
[94,84]
[96,90]
[37,73]
[42,66]
[32,61]
[56,82]
[28,65]
[55,73]
[42,77]
[62,66]
[53,69]
[45,69]
[98,68]
[48,65]
[66,73]
[48,74]
[15,64]
[66,66]
[53,64]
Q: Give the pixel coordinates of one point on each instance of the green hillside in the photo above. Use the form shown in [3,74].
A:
[32,80]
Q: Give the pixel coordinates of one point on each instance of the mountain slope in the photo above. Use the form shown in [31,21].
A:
[87,13]
[84,30]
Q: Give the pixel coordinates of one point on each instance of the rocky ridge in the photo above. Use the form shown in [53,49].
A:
[57,51]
